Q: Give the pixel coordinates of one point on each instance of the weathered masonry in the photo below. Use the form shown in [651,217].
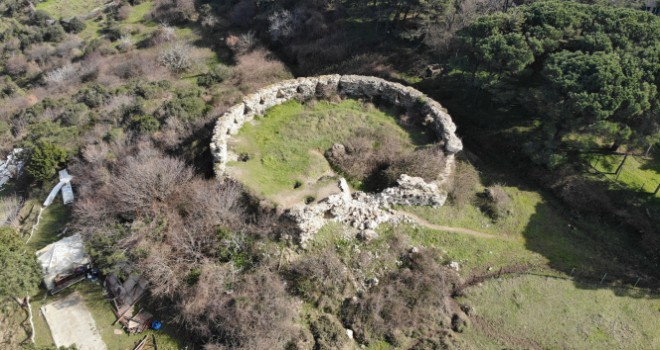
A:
[350,86]
[360,212]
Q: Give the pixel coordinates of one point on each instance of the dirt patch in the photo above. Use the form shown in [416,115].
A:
[71,323]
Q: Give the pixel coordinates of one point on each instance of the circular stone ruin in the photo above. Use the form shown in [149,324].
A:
[363,212]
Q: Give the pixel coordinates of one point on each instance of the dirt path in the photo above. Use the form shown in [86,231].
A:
[465,231]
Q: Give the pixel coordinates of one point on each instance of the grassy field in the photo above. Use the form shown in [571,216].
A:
[69,8]
[535,234]
[136,23]
[551,313]
[287,145]
[642,174]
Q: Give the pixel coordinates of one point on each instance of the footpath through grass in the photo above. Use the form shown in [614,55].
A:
[286,146]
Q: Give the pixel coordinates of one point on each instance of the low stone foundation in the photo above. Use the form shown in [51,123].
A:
[350,86]
[361,211]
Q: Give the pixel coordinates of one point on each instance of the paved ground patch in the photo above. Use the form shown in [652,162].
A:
[71,323]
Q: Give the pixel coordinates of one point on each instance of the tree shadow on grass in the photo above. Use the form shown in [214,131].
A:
[582,247]
[590,253]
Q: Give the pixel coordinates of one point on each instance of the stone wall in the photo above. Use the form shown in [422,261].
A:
[350,86]
[362,212]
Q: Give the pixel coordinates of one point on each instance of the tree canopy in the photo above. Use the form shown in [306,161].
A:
[581,69]
[19,270]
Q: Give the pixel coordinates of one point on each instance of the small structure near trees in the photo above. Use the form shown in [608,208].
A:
[124,297]
[63,263]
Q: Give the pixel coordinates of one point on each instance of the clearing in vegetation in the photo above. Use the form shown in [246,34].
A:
[283,151]
[71,323]
[549,313]
[638,173]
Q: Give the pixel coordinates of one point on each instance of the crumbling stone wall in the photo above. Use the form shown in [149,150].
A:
[361,211]
[351,86]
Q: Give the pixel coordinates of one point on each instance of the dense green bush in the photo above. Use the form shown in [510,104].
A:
[20,272]
[75,114]
[65,137]
[186,109]
[40,18]
[74,25]
[45,159]
[53,33]
[93,95]
[144,124]
[217,75]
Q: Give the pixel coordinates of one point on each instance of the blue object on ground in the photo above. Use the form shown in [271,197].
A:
[156,325]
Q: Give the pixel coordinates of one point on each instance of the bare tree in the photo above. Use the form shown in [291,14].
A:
[177,57]
[148,178]
[9,208]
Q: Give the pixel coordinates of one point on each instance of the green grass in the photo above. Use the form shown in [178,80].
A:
[536,232]
[555,315]
[138,12]
[638,173]
[288,143]
[68,8]
[53,221]
[475,255]
[100,308]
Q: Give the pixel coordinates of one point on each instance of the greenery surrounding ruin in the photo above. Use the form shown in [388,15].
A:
[547,240]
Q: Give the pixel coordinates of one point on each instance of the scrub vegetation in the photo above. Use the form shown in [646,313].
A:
[548,238]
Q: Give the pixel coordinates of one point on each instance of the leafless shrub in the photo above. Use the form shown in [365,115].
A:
[281,25]
[426,163]
[381,167]
[117,102]
[463,183]
[256,313]
[16,65]
[496,202]
[256,69]
[40,53]
[9,208]
[210,20]
[242,43]
[66,73]
[95,153]
[413,299]
[146,179]
[69,48]
[175,11]
[176,57]
[128,69]
[164,33]
[320,279]
[123,12]
[125,43]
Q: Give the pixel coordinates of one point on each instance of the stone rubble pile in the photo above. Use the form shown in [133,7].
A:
[364,212]
[412,191]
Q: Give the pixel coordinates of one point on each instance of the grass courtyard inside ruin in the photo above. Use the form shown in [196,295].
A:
[284,149]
